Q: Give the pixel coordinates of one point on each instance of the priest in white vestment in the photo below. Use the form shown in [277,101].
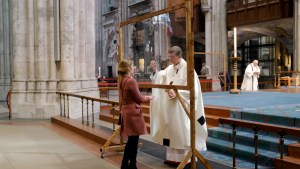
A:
[170,125]
[250,81]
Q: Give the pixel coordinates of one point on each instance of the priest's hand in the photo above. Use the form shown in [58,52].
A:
[171,93]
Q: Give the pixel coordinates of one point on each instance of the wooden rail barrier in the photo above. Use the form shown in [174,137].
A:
[256,126]
[66,113]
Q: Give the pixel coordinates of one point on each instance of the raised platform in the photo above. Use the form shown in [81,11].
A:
[281,107]
[278,107]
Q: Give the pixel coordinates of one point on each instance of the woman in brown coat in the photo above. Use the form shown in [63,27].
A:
[132,119]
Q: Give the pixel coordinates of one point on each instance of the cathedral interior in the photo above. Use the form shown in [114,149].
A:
[60,82]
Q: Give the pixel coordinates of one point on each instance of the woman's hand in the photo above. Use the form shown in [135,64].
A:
[150,97]
[171,93]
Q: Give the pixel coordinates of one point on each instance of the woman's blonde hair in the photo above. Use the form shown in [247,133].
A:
[124,67]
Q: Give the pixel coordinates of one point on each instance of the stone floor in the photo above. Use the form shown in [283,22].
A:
[24,146]
[39,144]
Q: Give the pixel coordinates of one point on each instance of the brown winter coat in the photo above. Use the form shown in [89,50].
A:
[133,122]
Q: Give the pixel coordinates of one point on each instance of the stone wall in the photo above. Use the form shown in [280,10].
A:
[38,76]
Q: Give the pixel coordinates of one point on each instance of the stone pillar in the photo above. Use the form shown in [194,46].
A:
[20,19]
[37,75]
[67,40]
[162,41]
[90,40]
[296,54]
[5,49]
[40,40]
[215,38]
[99,43]
[77,31]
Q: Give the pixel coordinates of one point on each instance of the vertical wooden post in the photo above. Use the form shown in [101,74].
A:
[190,73]
[60,104]
[120,49]
[93,114]
[68,116]
[87,112]
[64,105]
[82,120]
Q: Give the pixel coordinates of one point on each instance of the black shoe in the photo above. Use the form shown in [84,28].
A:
[172,163]
[132,166]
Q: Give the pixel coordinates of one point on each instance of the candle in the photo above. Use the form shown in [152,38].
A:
[234,42]
[99,71]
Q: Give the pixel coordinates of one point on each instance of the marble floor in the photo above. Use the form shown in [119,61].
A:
[39,144]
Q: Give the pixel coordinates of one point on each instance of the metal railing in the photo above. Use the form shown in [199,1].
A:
[282,131]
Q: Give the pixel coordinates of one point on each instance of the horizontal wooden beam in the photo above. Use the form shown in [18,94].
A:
[207,53]
[152,14]
[163,86]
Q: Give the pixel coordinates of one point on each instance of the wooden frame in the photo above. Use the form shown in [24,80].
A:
[188,5]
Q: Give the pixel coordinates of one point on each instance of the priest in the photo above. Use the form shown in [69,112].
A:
[250,81]
[170,125]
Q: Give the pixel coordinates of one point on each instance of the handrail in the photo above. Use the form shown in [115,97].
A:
[256,126]
[89,98]
[286,72]
[262,126]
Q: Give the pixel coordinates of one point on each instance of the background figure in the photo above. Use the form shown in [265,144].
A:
[132,119]
[222,80]
[250,81]
[204,71]
[153,70]
[170,126]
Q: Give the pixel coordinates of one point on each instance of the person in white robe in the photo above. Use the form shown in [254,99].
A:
[153,70]
[170,125]
[250,81]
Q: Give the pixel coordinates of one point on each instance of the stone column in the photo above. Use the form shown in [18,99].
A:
[40,40]
[79,38]
[50,44]
[90,44]
[2,64]
[37,75]
[296,54]
[5,49]
[30,41]
[20,18]
[215,38]
[77,64]
[161,39]
[67,40]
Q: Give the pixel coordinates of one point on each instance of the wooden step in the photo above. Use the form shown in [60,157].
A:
[109,118]
[95,134]
[217,111]
[294,150]
[287,163]
[212,121]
